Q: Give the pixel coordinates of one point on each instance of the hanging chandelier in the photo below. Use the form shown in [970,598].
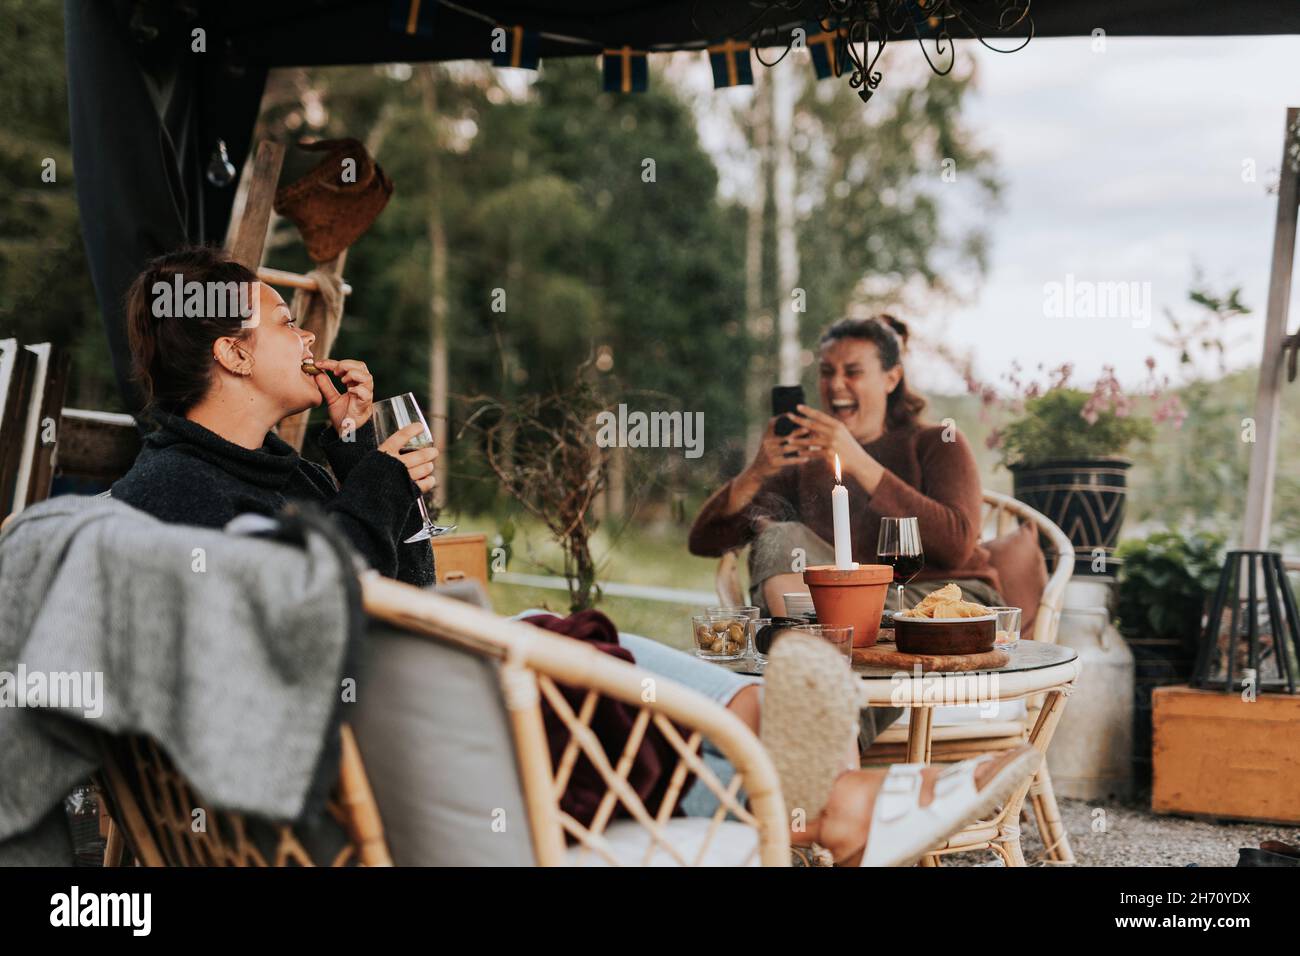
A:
[854,33]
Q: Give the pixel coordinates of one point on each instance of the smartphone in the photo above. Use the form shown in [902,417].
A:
[786,398]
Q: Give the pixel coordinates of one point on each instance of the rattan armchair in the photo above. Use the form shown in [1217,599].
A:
[152,805]
[959,741]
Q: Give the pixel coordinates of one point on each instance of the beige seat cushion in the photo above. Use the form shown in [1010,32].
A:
[734,844]
[434,736]
[1022,570]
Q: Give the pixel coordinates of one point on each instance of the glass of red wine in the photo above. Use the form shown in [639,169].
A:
[900,548]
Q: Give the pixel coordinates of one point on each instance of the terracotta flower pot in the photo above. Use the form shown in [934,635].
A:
[850,598]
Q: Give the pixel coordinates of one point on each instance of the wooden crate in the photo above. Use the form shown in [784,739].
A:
[1215,754]
[457,557]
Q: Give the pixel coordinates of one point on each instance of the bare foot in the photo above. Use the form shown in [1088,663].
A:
[844,826]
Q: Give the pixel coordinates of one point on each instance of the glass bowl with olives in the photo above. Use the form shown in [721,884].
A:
[720,637]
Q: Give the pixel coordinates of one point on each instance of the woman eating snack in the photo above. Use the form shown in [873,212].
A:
[218,382]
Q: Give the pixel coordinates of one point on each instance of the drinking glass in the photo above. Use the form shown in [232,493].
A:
[1008,625]
[899,547]
[740,610]
[746,611]
[720,637]
[757,629]
[392,415]
[839,637]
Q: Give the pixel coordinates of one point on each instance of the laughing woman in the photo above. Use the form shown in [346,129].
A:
[893,465]
[218,384]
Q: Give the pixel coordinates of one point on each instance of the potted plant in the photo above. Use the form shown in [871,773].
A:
[1166,580]
[1065,450]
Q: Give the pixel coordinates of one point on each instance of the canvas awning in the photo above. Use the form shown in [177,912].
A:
[147,112]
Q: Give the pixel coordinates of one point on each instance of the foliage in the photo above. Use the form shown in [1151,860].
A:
[1065,423]
[542,197]
[541,192]
[1204,339]
[873,194]
[1198,476]
[45,289]
[1164,581]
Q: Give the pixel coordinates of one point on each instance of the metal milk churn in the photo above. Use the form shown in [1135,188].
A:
[1090,757]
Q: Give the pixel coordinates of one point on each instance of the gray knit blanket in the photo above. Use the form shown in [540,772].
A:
[224,647]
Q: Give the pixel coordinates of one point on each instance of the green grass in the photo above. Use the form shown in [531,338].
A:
[667,623]
[648,554]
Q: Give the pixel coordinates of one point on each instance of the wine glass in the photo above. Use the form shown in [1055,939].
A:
[392,415]
[899,547]
[841,638]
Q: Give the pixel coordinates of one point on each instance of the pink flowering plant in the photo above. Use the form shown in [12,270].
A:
[1055,420]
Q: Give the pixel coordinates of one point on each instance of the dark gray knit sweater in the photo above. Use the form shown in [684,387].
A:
[187,474]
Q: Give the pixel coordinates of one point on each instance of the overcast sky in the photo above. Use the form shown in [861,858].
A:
[1119,166]
[1126,165]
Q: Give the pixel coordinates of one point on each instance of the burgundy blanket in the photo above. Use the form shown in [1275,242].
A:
[655,760]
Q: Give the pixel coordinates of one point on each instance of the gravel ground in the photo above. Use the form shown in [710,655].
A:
[1131,835]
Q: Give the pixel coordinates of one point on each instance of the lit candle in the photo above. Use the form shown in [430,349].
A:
[840,513]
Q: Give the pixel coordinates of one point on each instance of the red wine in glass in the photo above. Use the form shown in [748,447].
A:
[899,547]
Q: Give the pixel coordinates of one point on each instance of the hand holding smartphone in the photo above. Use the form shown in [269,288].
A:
[786,398]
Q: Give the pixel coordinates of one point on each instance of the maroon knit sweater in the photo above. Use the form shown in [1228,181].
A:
[936,481]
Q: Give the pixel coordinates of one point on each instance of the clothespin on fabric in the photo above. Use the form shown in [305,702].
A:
[824,47]
[518,48]
[626,70]
[730,62]
[412,17]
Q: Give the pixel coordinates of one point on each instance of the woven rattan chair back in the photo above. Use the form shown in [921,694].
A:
[164,822]
[1003,514]
[620,793]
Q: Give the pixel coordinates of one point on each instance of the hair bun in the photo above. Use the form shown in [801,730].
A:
[898,325]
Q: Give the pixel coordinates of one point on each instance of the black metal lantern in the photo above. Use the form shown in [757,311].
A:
[1252,635]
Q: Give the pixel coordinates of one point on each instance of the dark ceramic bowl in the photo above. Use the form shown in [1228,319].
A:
[765,636]
[961,635]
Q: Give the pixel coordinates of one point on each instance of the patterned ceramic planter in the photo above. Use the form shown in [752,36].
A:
[1085,497]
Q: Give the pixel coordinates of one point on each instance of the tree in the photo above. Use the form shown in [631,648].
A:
[874,181]
[45,288]
[1179,483]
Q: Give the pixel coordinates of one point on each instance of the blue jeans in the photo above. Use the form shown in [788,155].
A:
[708,679]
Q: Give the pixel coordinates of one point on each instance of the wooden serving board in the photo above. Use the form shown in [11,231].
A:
[887,655]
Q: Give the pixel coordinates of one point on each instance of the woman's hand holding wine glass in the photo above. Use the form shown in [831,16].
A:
[419,463]
[403,433]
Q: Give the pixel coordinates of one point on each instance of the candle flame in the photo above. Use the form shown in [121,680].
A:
[837,470]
